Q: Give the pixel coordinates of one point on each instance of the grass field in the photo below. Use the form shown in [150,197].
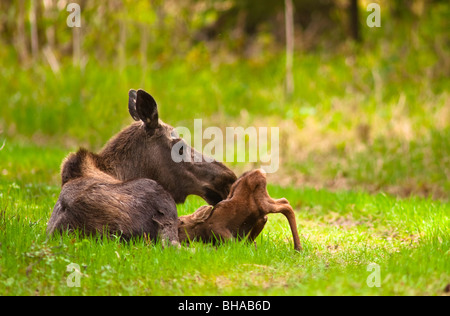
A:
[364,161]
[342,233]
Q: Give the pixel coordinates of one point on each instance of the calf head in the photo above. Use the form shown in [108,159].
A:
[241,215]
[144,150]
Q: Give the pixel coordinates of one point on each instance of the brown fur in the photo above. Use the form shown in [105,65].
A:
[132,185]
[143,150]
[94,202]
[242,215]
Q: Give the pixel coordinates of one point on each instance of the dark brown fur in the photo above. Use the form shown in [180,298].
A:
[94,202]
[143,150]
[132,185]
[242,215]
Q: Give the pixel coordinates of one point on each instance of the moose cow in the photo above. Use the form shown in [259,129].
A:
[132,185]
[98,203]
[242,215]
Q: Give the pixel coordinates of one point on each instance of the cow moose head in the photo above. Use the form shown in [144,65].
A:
[143,150]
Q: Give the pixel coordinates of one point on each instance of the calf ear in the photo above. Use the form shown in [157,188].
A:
[132,105]
[146,109]
[202,214]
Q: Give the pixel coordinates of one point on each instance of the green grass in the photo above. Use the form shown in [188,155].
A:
[378,131]
[363,118]
[342,233]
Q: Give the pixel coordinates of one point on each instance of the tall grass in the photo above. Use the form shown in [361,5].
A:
[393,142]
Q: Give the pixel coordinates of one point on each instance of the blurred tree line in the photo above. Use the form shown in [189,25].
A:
[124,31]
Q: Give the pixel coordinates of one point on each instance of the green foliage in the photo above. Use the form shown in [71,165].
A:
[372,116]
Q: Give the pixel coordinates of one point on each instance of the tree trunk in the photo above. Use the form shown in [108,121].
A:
[76,54]
[354,21]
[49,14]
[289,21]
[34,30]
[121,45]
[21,42]
[143,45]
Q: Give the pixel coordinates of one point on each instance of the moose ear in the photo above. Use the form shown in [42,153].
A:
[203,213]
[146,109]
[132,105]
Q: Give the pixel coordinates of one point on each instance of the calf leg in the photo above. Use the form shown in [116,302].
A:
[220,234]
[257,228]
[281,201]
[283,207]
[290,215]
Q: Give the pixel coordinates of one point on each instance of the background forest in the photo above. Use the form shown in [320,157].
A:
[369,107]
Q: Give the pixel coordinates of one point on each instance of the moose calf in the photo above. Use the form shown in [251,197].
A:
[243,214]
